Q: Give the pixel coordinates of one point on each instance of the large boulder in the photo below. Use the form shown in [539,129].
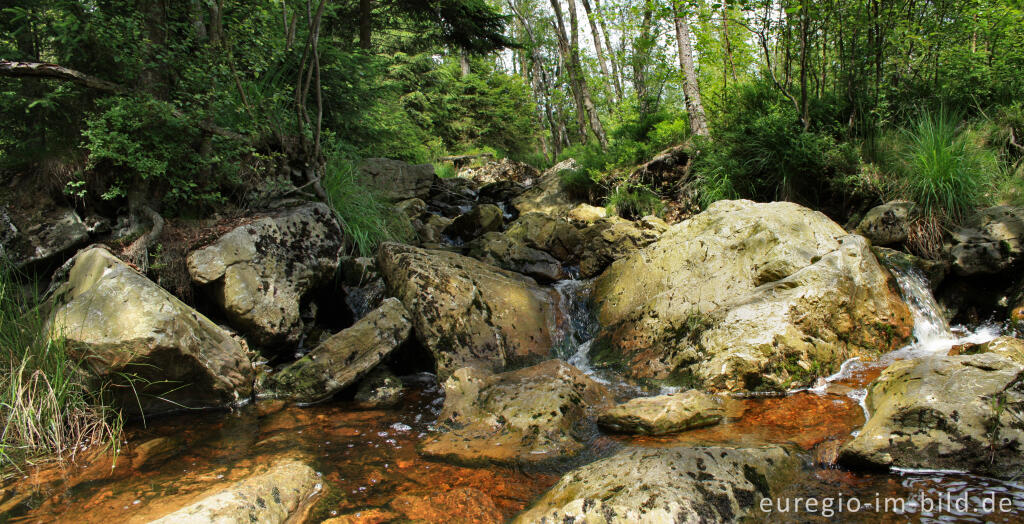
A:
[276,495]
[469,313]
[990,242]
[483,218]
[547,195]
[554,235]
[960,412]
[40,232]
[612,238]
[664,413]
[126,330]
[398,180]
[685,484]
[888,223]
[527,416]
[747,296]
[260,272]
[502,170]
[508,253]
[342,359]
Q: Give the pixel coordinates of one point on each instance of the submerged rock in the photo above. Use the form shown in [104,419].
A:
[126,330]
[343,358]
[525,416]
[990,242]
[698,484]
[553,235]
[468,313]
[960,412]
[664,413]
[508,253]
[747,296]
[380,389]
[260,272]
[275,496]
[888,223]
[398,180]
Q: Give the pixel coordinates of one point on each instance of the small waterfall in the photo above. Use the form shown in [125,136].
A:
[931,331]
[581,326]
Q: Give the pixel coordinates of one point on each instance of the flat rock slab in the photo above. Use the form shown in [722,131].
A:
[664,413]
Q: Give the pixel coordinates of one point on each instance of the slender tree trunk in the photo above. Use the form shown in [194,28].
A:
[365,27]
[616,69]
[642,46]
[597,40]
[565,51]
[804,99]
[588,102]
[464,63]
[694,106]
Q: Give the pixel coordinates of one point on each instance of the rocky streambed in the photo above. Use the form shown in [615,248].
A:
[733,366]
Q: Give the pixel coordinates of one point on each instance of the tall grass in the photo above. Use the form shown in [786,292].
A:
[943,168]
[634,201]
[367,218]
[46,406]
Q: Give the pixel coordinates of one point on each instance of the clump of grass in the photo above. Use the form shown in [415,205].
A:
[367,217]
[634,201]
[48,409]
[579,183]
[445,170]
[943,168]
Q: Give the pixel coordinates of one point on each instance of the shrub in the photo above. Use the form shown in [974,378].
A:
[944,168]
[579,183]
[634,201]
[366,217]
[47,408]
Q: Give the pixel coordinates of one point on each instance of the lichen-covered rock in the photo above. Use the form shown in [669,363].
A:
[547,196]
[934,270]
[530,415]
[747,296]
[260,272]
[502,170]
[960,412]
[468,313]
[664,413]
[553,235]
[40,232]
[888,223]
[686,484]
[398,180]
[990,242]
[362,284]
[508,253]
[343,358]
[380,389]
[612,238]
[121,325]
[273,496]
[584,215]
[481,219]
[1009,347]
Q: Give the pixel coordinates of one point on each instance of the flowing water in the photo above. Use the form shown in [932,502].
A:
[368,461]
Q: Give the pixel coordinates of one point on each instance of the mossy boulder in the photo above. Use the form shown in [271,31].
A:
[126,330]
[343,358]
[683,484]
[483,218]
[553,235]
[989,242]
[468,313]
[663,414]
[888,223]
[530,415]
[261,272]
[961,412]
[397,180]
[747,296]
[508,253]
[609,239]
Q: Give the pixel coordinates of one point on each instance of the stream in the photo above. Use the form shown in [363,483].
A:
[368,463]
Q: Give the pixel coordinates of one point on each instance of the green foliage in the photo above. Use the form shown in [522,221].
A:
[366,217]
[633,201]
[580,184]
[942,166]
[445,170]
[45,404]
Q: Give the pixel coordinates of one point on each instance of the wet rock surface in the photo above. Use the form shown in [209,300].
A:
[124,328]
[663,414]
[343,358]
[686,484]
[747,296]
[468,313]
[260,272]
[960,412]
[527,416]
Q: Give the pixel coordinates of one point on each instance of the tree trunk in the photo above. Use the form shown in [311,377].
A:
[597,40]
[464,63]
[365,27]
[565,51]
[694,106]
[616,70]
[642,46]
[588,102]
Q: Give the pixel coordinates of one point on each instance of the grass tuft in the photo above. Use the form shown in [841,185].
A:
[366,217]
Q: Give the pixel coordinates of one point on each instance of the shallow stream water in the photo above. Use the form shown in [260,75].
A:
[369,466]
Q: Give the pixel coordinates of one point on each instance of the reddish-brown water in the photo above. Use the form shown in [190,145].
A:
[370,467]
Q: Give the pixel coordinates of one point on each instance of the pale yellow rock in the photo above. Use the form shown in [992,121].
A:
[663,413]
